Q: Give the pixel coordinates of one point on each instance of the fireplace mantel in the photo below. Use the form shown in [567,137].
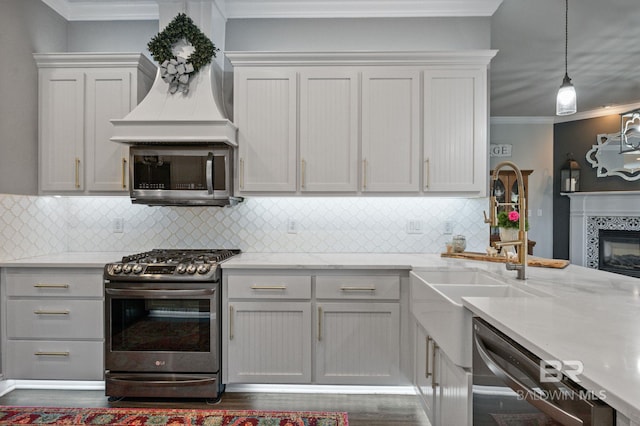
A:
[604,210]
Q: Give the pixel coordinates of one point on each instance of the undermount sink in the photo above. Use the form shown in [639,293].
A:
[456,292]
[471,276]
[437,305]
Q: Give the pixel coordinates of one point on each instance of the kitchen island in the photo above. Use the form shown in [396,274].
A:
[589,315]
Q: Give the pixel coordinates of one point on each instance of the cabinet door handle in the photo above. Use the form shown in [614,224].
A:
[434,383]
[303,172]
[426,173]
[268,287]
[427,374]
[77,172]
[43,353]
[365,163]
[348,288]
[40,285]
[319,323]
[124,173]
[230,322]
[43,312]
[242,173]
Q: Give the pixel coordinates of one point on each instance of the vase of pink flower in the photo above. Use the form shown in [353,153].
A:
[508,225]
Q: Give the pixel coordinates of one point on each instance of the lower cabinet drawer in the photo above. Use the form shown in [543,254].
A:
[51,360]
[269,286]
[358,287]
[50,318]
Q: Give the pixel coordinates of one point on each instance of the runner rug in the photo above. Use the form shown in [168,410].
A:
[165,417]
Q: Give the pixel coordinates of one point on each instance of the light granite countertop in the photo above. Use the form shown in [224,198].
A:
[590,316]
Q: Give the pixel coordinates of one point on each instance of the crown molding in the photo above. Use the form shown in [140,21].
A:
[114,10]
[522,120]
[600,112]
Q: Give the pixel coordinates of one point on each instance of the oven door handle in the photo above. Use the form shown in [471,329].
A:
[149,292]
[209,173]
[529,395]
[179,381]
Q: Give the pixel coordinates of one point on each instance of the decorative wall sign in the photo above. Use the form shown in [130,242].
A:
[607,159]
[500,150]
[177,70]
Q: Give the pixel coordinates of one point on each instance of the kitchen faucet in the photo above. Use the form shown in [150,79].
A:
[521,264]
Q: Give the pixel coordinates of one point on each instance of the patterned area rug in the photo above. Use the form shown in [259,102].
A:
[165,417]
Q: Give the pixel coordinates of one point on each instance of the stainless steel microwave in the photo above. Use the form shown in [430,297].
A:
[182,175]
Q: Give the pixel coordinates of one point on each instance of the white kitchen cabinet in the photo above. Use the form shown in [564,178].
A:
[328,130]
[271,334]
[444,389]
[79,93]
[386,122]
[455,130]
[265,111]
[54,323]
[391,130]
[269,342]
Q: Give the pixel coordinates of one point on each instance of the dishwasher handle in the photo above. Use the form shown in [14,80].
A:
[533,398]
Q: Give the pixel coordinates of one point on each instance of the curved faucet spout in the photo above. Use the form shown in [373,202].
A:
[522,243]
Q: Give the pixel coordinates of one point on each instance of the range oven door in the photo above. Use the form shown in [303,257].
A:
[508,389]
[162,328]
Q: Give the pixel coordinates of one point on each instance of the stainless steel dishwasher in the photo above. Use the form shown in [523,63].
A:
[511,386]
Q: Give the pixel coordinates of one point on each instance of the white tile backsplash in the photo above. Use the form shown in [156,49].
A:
[32,226]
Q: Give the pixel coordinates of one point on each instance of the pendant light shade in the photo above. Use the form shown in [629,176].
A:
[566,102]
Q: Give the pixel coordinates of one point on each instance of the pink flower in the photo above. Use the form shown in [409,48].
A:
[514,216]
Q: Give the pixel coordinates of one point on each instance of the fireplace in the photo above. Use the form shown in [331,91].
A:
[619,251]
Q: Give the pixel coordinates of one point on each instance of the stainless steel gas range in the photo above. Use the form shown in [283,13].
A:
[162,324]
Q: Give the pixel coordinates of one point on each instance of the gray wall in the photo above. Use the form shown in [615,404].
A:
[111,36]
[26,26]
[578,137]
[532,149]
[358,34]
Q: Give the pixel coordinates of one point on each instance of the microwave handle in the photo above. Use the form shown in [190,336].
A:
[209,173]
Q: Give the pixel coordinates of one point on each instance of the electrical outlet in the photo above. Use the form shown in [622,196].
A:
[414,226]
[292,226]
[118,225]
[448,227]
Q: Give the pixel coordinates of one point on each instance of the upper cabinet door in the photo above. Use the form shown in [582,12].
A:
[328,130]
[108,96]
[390,130]
[265,113]
[455,130]
[61,111]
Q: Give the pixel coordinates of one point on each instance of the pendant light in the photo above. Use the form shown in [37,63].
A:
[566,103]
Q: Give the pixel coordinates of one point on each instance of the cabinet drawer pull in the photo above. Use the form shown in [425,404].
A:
[426,173]
[230,322]
[124,173]
[303,172]
[427,374]
[434,383]
[42,285]
[268,287]
[42,312]
[364,173]
[348,288]
[241,173]
[39,353]
[319,323]
[77,172]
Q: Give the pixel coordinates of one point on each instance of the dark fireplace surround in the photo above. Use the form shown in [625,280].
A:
[619,251]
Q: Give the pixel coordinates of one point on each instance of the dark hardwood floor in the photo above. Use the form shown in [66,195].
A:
[363,410]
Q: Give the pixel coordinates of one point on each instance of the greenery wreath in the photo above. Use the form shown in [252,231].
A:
[176,70]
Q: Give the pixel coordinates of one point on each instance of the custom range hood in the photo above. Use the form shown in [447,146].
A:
[180,118]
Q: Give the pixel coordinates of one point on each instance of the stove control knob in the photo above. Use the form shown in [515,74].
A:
[203,268]
[181,268]
[127,268]
[117,268]
[137,268]
[191,269]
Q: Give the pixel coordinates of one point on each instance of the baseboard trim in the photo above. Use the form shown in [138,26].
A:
[336,389]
